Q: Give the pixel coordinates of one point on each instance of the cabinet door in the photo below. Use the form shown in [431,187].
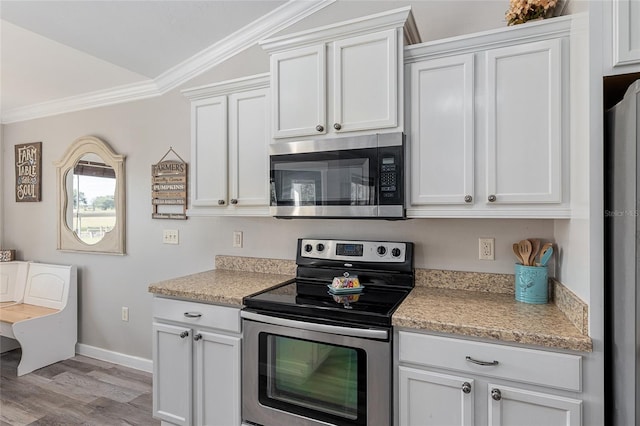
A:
[626,32]
[299,95]
[217,376]
[524,123]
[512,406]
[209,152]
[365,76]
[249,138]
[442,131]
[433,399]
[172,366]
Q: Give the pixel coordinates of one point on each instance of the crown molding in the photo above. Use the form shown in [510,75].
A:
[265,26]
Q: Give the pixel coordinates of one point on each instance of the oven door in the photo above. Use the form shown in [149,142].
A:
[302,374]
[331,178]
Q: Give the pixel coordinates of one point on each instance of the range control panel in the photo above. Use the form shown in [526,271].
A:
[363,251]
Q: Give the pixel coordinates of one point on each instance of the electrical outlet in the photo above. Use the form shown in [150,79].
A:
[125,313]
[170,236]
[486,249]
[237,239]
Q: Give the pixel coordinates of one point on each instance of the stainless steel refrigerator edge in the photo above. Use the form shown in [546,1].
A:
[622,251]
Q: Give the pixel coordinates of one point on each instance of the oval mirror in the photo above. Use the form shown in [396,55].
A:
[91,198]
[91,185]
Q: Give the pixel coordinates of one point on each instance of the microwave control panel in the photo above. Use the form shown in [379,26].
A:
[390,169]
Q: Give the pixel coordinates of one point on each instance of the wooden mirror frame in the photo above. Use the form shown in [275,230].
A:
[113,241]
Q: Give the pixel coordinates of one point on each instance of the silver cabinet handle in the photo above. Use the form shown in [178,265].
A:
[496,394]
[221,202]
[466,387]
[184,334]
[468,198]
[475,361]
[491,198]
[320,128]
[337,126]
[234,201]
[197,337]
[192,314]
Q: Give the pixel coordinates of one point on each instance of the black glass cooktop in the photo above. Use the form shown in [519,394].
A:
[312,301]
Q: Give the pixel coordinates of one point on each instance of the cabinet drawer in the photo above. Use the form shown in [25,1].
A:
[552,369]
[197,314]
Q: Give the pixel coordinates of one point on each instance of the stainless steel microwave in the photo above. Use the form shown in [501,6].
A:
[351,177]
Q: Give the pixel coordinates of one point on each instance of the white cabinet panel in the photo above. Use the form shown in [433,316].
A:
[366,75]
[524,117]
[172,366]
[513,406]
[209,151]
[441,138]
[434,399]
[298,80]
[626,32]
[217,379]
[248,148]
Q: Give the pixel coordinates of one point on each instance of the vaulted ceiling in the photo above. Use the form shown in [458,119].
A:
[58,56]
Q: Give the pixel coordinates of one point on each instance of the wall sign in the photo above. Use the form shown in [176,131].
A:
[169,188]
[28,171]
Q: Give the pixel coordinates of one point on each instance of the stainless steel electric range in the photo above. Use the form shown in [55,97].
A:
[314,354]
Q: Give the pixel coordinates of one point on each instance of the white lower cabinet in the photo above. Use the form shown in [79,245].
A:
[196,363]
[448,381]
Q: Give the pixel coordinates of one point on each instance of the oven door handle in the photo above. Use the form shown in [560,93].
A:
[333,329]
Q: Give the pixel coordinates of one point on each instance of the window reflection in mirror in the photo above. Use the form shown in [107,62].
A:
[91,210]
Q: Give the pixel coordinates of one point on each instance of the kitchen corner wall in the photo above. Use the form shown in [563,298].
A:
[143,131]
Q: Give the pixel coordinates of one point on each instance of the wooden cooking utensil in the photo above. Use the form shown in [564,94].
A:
[535,248]
[524,248]
[544,248]
[516,251]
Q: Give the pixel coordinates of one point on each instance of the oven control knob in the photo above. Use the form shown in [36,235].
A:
[382,250]
[320,247]
[395,252]
[308,248]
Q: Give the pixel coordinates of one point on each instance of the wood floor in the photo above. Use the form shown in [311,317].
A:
[78,391]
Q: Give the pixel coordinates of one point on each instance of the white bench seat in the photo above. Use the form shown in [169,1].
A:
[43,321]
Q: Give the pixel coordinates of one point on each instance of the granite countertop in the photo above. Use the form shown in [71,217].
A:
[222,286]
[494,316]
[442,301]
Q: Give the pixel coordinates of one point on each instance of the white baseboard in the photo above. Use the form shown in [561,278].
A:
[115,357]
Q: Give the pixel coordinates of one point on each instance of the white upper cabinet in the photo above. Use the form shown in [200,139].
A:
[298,80]
[340,78]
[442,130]
[488,130]
[626,32]
[524,116]
[230,134]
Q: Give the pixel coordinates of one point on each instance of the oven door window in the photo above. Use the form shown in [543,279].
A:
[313,379]
[331,178]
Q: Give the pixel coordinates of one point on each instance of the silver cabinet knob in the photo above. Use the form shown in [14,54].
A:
[337,126]
[184,334]
[496,394]
[320,128]
[468,198]
[197,337]
[234,201]
[491,198]
[466,387]
[221,202]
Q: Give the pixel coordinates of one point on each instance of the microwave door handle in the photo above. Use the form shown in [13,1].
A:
[333,329]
